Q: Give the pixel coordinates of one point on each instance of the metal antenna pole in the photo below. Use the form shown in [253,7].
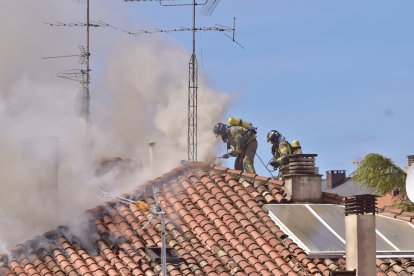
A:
[143,206]
[161,213]
[192,99]
[192,104]
[163,244]
[87,103]
[82,75]
[88,53]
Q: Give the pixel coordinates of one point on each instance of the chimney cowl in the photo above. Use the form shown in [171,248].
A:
[151,146]
[360,205]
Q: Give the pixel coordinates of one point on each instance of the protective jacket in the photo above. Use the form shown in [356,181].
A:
[239,138]
[280,152]
[242,144]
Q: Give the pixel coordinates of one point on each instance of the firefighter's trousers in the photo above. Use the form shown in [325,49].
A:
[245,160]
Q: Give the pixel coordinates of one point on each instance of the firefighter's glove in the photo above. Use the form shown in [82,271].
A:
[285,161]
[225,156]
[274,164]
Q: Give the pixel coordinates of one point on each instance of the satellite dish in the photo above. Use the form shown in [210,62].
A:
[409,183]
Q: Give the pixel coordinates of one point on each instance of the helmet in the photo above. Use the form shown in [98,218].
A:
[220,128]
[274,136]
[295,143]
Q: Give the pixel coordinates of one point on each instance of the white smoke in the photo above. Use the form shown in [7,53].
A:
[139,97]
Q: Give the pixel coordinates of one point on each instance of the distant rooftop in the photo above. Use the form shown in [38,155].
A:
[347,188]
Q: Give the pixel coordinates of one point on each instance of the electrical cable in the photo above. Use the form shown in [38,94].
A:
[264,165]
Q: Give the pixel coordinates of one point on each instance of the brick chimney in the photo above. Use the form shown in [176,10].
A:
[410,160]
[360,234]
[334,178]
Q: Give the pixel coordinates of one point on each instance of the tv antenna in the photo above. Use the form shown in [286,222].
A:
[208,8]
[153,211]
[81,75]
[159,211]
[141,205]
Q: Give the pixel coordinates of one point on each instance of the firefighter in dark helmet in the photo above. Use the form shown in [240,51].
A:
[241,143]
[281,149]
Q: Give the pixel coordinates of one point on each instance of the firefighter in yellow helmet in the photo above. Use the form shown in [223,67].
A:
[281,149]
[241,143]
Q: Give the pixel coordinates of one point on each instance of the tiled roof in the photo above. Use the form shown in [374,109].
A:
[396,213]
[385,200]
[214,221]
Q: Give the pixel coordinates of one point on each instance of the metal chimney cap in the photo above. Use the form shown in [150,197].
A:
[360,205]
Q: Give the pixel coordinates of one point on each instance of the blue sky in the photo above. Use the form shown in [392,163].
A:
[337,75]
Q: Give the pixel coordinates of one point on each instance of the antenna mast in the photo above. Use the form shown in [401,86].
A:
[192,100]
[87,92]
[192,105]
[82,75]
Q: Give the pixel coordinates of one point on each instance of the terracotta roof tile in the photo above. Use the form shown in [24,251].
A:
[387,215]
[4,270]
[393,210]
[234,172]
[249,175]
[263,179]
[276,182]
[220,169]
[408,214]
[408,219]
[214,221]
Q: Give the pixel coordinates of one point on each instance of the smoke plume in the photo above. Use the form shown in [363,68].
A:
[139,95]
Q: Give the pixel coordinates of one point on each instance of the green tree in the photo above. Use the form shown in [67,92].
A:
[380,174]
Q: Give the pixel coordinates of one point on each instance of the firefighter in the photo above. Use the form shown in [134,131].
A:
[241,143]
[281,149]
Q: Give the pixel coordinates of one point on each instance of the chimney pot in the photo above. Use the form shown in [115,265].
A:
[302,181]
[360,234]
[410,160]
[151,146]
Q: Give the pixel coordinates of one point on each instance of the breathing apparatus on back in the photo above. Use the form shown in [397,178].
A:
[239,122]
